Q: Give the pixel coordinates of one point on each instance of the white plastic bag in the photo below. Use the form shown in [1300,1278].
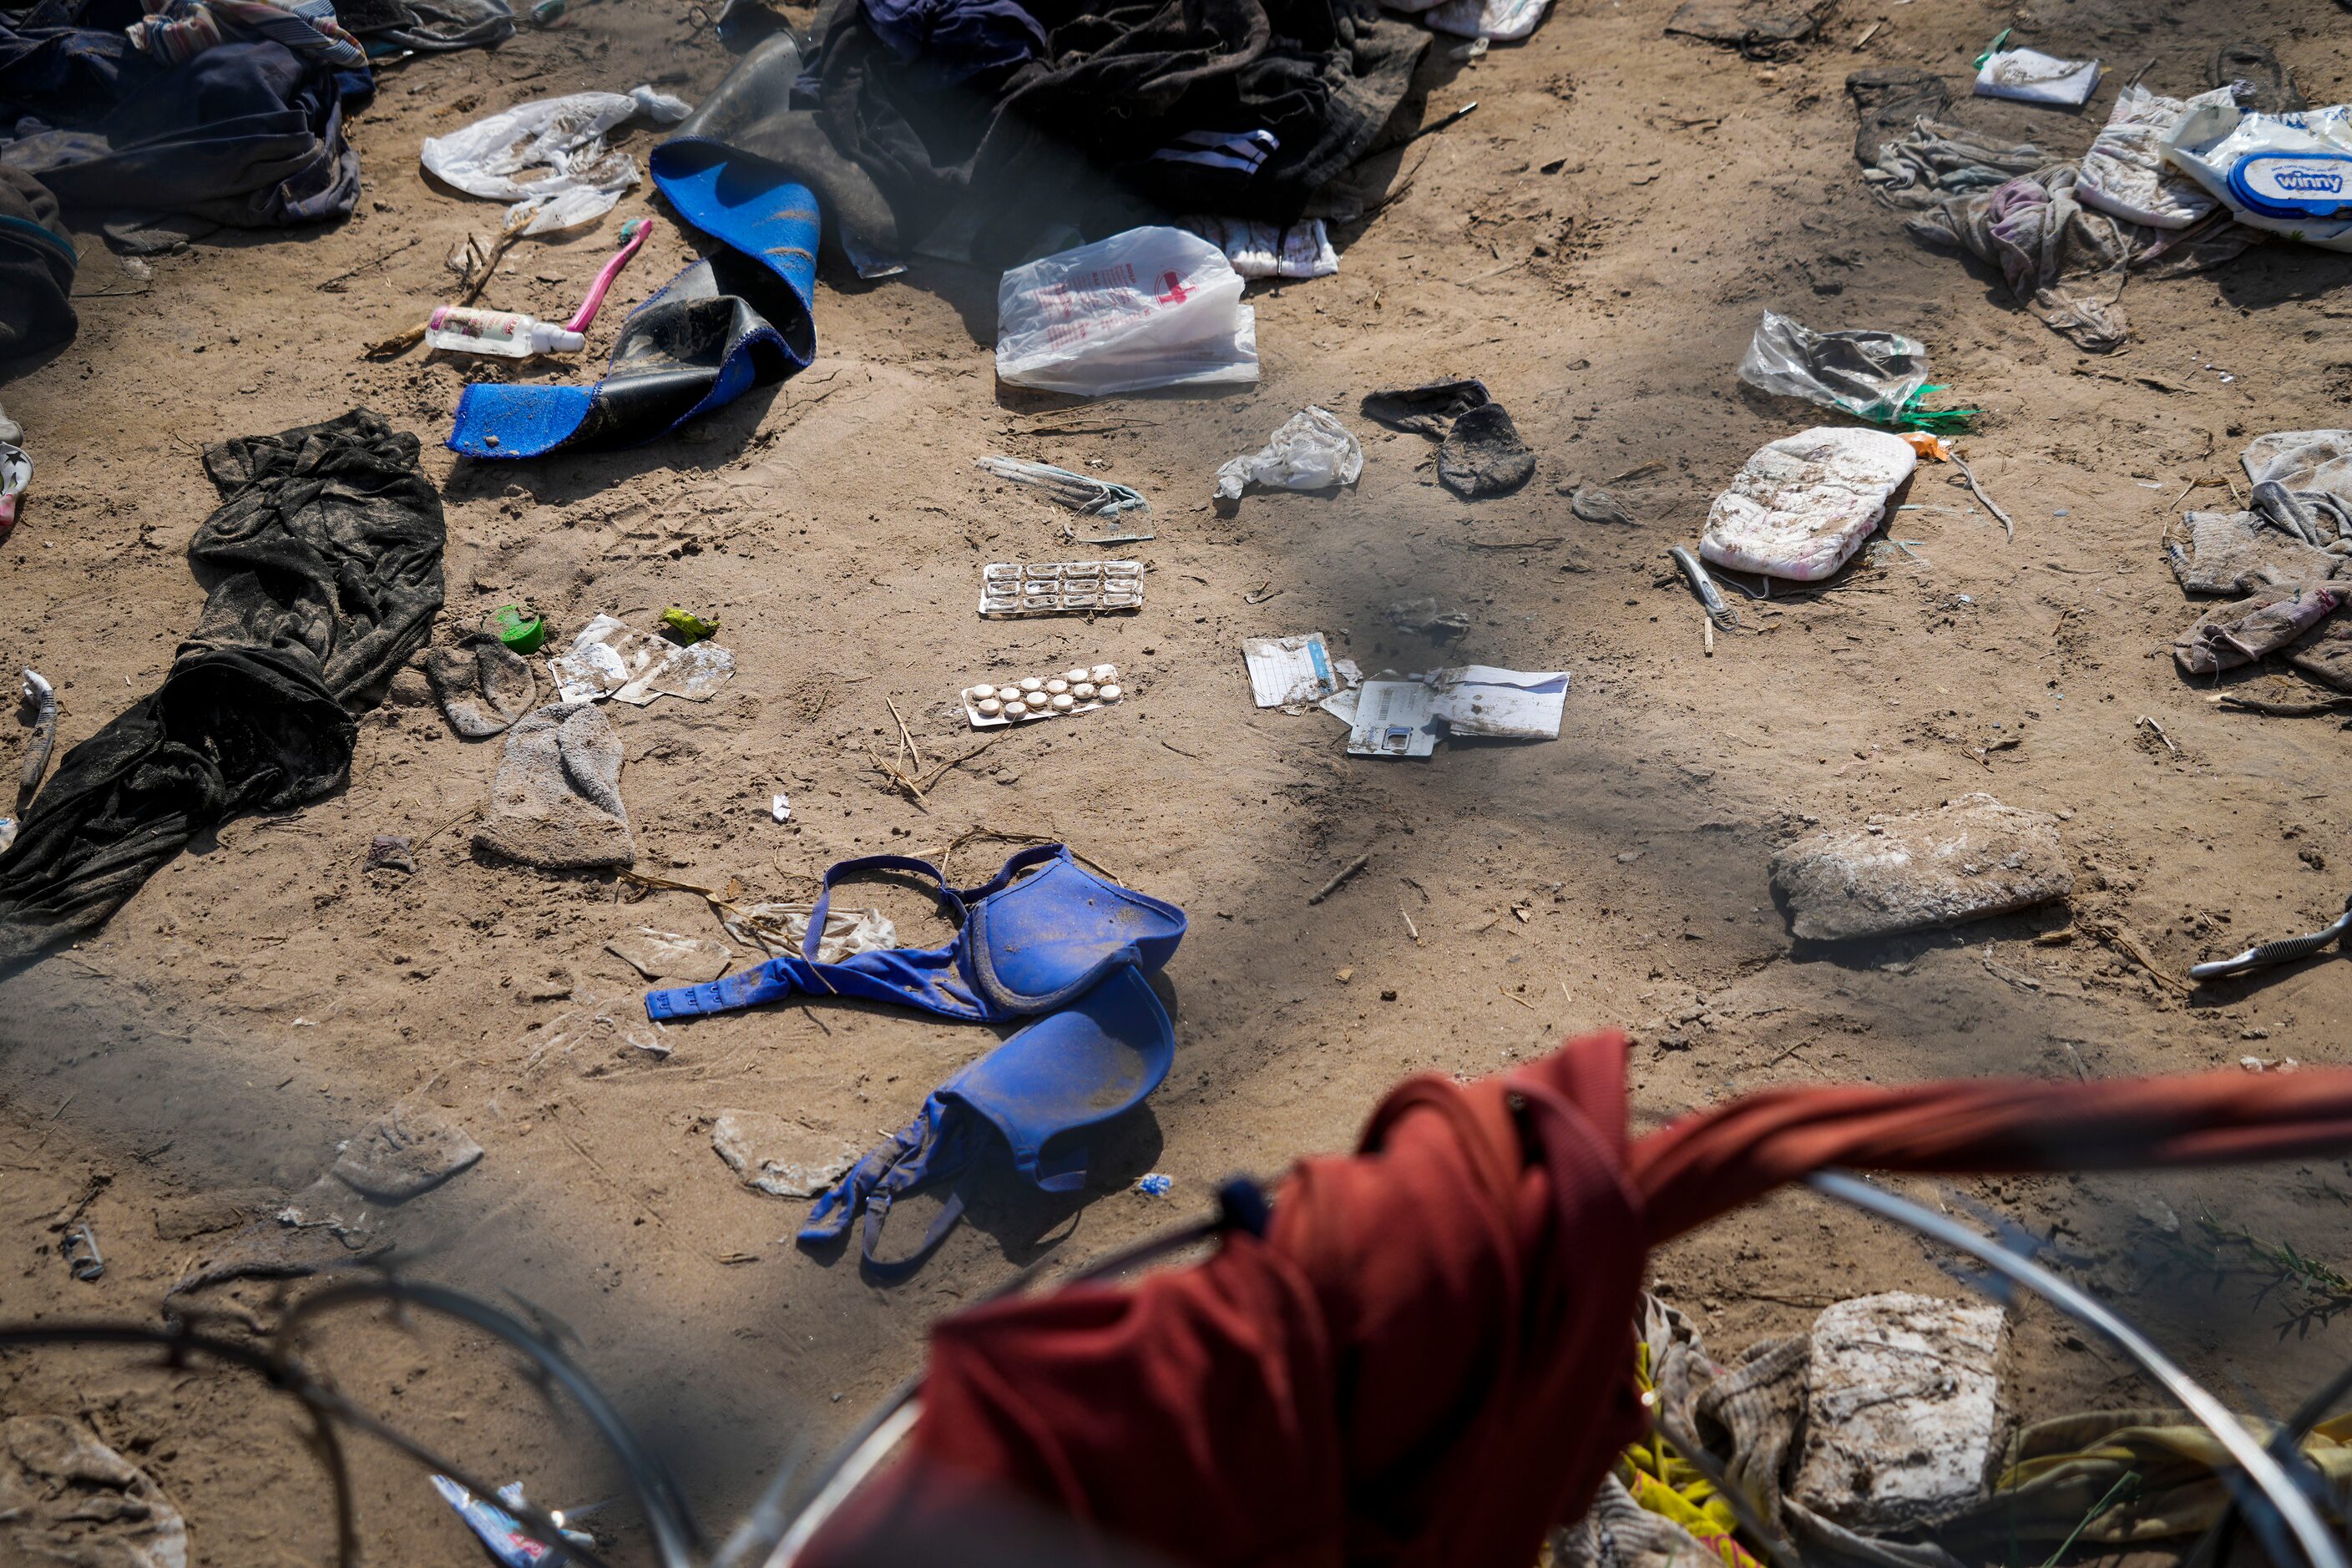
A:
[1312,451]
[2125,172]
[564,137]
[1152,307]
[2212,142]
[2030,75]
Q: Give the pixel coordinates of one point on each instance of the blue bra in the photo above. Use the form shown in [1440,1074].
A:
[1045,935]
[1025,944]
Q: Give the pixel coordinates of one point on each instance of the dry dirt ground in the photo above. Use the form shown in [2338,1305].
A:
[1596,242]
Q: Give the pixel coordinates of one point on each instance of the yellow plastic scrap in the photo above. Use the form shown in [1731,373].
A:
[1666,1484]
[1931,446]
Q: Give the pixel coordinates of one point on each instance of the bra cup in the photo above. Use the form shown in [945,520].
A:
[1052,936]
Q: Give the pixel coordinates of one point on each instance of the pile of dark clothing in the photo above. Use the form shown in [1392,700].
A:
[324,561]
[248,131]
[37,261]
[994,129]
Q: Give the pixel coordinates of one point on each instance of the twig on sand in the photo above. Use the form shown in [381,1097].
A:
[1346,872]
[400,342]
[1976,489]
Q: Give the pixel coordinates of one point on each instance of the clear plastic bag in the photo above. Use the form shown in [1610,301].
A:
[1311,451]
[1152,307]
[582,179]
[1877,377]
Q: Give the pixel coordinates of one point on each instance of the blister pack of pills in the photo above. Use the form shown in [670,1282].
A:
[993,704]
[1015,588]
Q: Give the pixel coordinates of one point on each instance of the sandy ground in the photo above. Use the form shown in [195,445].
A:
[1596,242]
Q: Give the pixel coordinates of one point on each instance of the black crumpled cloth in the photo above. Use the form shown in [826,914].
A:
[324,561]
[37,261]
[1067,138]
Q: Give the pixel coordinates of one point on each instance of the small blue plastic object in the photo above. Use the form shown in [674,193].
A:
[2294,184]
[1154,1185]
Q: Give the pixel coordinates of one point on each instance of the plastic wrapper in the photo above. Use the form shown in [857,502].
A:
[2289,174]
[575,178]
[2124,171]
[1878,376]
[2030,75]
[1151,307]
[1311,451]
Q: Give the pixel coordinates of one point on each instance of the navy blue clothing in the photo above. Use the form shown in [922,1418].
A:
[248,133]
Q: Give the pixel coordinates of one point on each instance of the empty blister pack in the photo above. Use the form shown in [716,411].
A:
[1015,588]
[993,704]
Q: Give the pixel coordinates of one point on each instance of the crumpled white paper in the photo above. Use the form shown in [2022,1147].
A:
[564,137]
[1312,451]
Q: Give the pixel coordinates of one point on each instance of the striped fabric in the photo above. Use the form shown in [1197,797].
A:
[177,30]
[1240,151]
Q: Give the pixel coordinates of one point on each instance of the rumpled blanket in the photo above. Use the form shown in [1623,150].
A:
[248,133]
[324,559]
[1425,1358]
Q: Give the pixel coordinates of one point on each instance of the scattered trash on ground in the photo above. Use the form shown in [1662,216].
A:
[739,317]
[509,1542]
[482,684]
[1878,376]
[1967,859]
[1311,451]
[780,1156]
[70,1500]
[2030,75]
[609,658]
[582,178]
[1484,456]
[992,705]
[1081,321]
[409,1150]
[2268,954]
[1011,590]
[780,809]
[1900,1411]
[1152,1184]
[784,928]
[1710,597]
[517,629]
[1803,505]
[1080,493]
[555,802]
[504,334]
[1294,250]
[1293,671]
[666,956]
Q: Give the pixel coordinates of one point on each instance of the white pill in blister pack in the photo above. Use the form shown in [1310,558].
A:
[991,704]
[1015,588]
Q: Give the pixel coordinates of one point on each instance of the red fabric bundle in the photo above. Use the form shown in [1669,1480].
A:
[1428,1358]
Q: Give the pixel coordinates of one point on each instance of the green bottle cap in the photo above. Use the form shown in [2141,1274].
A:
[519,630]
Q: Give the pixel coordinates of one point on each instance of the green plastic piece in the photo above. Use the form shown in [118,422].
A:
[521,632]
[689,627]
